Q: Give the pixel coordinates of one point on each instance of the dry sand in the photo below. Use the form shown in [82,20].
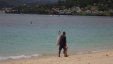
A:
[105,57]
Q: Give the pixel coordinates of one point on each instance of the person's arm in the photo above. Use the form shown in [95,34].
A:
[66,43]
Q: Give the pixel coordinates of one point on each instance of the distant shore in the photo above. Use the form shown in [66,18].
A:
[105,57]
[62,14]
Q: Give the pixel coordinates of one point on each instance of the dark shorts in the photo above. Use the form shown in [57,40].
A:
[62,47]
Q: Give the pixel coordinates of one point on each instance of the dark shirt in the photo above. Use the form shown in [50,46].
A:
[62,41]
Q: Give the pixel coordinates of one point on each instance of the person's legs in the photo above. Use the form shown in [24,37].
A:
[60,48]
[65,52]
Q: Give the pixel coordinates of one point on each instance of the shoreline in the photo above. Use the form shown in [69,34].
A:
[58,14]
[104,57]
[43,55]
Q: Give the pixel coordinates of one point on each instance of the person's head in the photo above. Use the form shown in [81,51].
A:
[64,33]
[59,32]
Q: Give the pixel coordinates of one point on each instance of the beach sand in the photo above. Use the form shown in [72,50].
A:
[105,57]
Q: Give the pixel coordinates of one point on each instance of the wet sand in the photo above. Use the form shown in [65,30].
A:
[105,57]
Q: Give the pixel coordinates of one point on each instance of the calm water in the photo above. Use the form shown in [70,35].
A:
[19,37]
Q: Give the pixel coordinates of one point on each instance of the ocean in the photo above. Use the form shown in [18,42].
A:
[27,35]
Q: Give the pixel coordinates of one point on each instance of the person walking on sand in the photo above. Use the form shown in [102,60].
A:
[63,45]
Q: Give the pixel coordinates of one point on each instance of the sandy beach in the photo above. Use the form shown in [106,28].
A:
[105,57]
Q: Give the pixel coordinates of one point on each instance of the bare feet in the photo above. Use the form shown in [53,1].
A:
[66,55]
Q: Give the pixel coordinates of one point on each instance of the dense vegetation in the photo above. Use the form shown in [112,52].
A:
[101,5]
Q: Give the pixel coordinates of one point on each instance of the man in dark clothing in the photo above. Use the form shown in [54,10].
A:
[63,44]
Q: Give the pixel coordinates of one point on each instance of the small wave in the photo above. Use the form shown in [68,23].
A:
[19,57]
[88,51]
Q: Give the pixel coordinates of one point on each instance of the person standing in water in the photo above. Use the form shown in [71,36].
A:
[31,22]
[63,45]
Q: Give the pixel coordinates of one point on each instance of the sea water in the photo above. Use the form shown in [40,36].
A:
[27,35]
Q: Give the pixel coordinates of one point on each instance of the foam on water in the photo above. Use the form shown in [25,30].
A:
[19,57]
